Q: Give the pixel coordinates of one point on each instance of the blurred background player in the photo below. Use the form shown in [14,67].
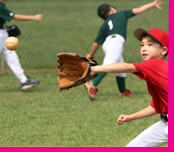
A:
[10,56]
[112,37]
[154,70]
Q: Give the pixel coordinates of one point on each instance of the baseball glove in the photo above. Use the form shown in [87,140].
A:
[13,30]
[73,70]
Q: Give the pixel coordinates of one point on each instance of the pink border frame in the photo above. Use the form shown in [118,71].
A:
[104,149]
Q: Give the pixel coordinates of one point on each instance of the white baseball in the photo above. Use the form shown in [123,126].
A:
[12,43]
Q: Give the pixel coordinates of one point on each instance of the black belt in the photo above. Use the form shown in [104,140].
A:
[164,117]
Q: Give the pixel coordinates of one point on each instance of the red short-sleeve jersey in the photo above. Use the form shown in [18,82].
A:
[155,73]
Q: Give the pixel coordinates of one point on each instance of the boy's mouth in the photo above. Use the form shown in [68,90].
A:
[144,55]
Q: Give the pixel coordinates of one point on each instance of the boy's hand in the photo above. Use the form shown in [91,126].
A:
[123,118]
[38,17]
[157,4]
[88,56]
[92,73]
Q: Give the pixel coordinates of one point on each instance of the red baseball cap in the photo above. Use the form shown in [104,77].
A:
[156,34]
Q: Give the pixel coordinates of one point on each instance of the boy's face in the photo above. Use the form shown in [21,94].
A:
[150,49]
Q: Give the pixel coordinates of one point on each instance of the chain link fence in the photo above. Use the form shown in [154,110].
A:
[72,26]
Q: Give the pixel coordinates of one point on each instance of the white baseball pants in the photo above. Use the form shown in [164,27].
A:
[11,58]
[113,48]
[154,136]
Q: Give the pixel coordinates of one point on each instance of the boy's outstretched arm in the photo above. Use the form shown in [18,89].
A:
[141,9]
[147,112]
[18,17]
[114,68]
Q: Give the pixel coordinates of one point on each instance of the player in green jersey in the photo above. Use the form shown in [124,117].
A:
[11,57]
[112,37]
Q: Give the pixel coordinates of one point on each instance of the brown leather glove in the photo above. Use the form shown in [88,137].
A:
[73,70]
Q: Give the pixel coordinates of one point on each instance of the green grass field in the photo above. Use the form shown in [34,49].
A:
[45,117]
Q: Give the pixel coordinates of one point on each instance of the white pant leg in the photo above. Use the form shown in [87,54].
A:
[11,58]
[113,48]
[121,74]
[154,136]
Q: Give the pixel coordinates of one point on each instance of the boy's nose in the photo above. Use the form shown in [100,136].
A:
[144,48]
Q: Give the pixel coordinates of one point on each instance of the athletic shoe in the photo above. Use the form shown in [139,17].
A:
[92,90]
[29,84]
[126,93]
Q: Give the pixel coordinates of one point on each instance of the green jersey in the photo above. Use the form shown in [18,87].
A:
[114,24]
[5,15]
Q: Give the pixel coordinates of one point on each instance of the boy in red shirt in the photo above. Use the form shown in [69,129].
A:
[154,70]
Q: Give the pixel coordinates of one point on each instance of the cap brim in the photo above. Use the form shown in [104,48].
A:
[138,33]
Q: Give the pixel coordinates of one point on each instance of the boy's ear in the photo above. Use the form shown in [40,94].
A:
[164,51]
[112,9]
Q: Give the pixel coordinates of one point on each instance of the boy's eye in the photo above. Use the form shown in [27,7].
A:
[150,44]
[142,45]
